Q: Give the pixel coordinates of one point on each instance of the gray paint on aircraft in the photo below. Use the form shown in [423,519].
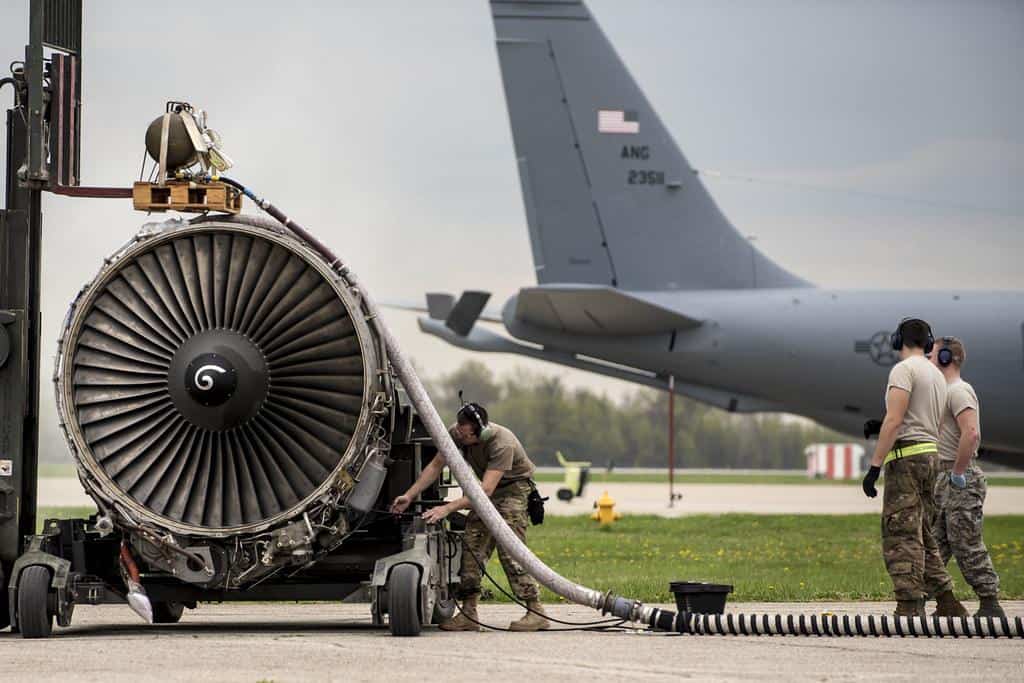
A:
[689,296]
[606,208]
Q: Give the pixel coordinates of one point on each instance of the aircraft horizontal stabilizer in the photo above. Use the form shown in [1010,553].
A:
[466,312]
[459,316]
[439,304]
[597,310]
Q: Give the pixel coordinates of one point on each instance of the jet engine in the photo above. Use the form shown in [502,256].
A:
[226,400]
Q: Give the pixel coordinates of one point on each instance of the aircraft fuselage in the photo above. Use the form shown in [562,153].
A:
[820,353]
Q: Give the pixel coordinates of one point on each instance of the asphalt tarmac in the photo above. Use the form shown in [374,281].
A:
[759,499]
[332,642]
[652,499]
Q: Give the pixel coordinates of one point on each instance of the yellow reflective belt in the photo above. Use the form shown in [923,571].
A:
[916,449]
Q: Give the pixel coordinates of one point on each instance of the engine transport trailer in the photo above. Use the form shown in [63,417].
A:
[238,425]
[227,403]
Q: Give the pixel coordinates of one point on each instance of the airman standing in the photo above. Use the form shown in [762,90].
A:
[960,487]
[915,398]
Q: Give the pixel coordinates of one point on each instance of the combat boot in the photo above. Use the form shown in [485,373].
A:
[466,619]
[989,607]
[533,620]
[909,608]
[946,605]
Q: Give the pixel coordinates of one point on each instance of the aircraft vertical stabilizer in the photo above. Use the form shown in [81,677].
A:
[610,199]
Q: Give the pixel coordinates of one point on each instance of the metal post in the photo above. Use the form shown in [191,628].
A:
[20,224]
[671,440]
[37,172]
[56,24]
[20,271]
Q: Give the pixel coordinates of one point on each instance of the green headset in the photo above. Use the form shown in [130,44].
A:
[477,414]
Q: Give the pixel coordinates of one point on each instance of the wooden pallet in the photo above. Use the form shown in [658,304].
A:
[186,196]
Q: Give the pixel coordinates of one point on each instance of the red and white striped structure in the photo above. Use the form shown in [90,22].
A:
[834,460]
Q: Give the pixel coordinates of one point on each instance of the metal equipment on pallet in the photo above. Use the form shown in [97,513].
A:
[186,196]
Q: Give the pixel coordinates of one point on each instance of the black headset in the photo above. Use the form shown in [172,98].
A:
[484,430]
[897,337]
[945,356]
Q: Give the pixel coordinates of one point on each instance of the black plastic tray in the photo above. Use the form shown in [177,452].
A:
[702,598]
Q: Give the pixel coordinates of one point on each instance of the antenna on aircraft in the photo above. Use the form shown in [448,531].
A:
[672,495]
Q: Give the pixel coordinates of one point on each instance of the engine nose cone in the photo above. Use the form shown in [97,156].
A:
[218,380]
[211,379]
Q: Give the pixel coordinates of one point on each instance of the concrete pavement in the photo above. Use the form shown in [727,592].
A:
[332,642]
[652,499]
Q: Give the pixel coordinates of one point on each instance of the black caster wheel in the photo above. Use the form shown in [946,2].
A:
[167,612]
[404,601]
[35,619]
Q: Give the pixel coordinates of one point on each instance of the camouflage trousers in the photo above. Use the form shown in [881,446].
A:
[957,528]
[478,543]
[910,550]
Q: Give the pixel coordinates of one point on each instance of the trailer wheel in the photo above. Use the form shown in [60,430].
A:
[35,618]
[167,612]
[404,600]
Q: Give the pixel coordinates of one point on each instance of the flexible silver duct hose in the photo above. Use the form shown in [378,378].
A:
[482,505]
[607,603]
[839,625]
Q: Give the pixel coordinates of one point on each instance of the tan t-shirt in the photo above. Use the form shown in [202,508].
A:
[502,452]
[927,403]
[960,397]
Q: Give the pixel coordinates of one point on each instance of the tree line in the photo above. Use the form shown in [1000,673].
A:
[548,416]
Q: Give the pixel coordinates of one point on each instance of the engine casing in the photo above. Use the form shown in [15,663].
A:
[222,393]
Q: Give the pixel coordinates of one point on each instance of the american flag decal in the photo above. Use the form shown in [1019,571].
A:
[617,121]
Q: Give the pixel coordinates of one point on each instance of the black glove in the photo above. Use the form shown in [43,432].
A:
[869,481]
[872,428]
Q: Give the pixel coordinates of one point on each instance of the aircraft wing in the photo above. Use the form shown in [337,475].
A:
[480,339]
[597,310]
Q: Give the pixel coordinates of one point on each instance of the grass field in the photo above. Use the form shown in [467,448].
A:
[769,558]
[61,513]
[599,477]
[766,557]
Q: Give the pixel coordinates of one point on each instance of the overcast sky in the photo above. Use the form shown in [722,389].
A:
[381,126]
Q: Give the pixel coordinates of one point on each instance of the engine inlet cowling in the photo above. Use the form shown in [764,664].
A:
[218,378]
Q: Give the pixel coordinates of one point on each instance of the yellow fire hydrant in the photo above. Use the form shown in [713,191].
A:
[604,510]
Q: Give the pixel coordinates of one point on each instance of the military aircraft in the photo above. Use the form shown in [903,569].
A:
[641,277]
